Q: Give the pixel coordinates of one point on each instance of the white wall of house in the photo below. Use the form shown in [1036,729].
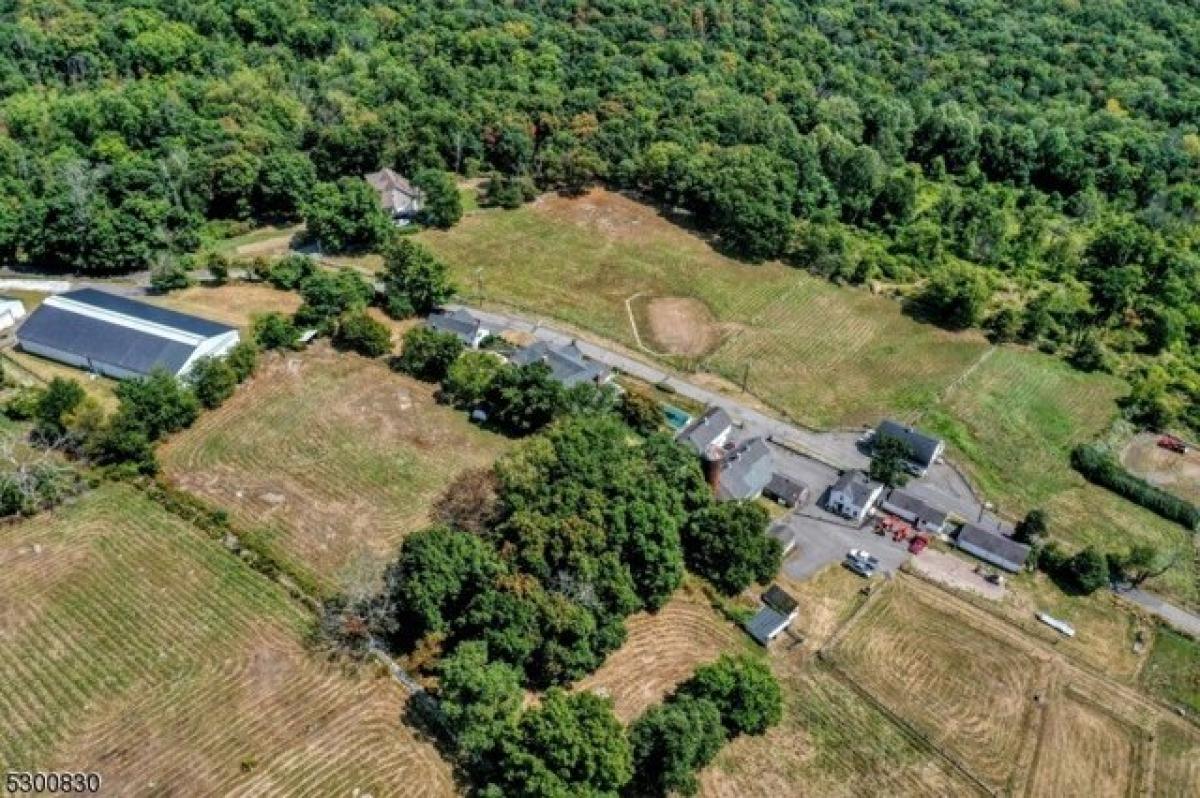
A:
[844,505]
[217,346]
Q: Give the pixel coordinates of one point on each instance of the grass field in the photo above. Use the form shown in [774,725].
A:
[337,456]
[232,304]
[135,647]
[1177,761]
[1173,672]
[965,687]
[1084,752]
[663,650]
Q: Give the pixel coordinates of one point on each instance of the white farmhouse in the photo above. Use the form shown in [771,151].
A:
[853,496]
[121,337]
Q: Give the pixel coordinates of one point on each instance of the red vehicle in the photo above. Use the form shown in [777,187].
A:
[918,544]
[1171,443]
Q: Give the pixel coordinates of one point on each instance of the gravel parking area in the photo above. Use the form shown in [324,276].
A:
[956,572]
[823,538]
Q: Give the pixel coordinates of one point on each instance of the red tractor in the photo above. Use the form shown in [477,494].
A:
[1172,444]
[918,544]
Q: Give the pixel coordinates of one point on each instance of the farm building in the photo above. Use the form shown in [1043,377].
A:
[11,311]
[460,323]
[120,337]
[786,491]
[992,547]
[712,428]
[567,363]
[925,448]
[778,611]
[916,512]
[853,495]
[745,470]
[400,199]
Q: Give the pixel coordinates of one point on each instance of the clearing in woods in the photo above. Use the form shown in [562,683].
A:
[662,650]
[135,646]
[336,456]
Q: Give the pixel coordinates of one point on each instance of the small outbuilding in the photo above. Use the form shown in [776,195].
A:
[11,312]
[786,491]
[905,506]
[778,611]
[120,337]
[853,496]
[992,547]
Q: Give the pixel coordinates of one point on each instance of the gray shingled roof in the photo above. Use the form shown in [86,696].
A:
[924,447]
[906,501]
[786,488]
[746,470]
[702,432]
[102,341]
[458,322]
[857,484]
[764,623]
[567,363]
[998,545]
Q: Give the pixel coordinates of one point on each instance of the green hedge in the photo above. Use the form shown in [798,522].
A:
[1097,465]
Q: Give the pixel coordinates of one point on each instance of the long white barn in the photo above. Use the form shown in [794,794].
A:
[121,337]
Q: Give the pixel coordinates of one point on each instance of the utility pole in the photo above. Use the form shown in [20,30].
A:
[745,376]
[479,282]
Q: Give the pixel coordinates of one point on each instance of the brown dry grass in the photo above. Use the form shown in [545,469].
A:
[662,650]
[336,455]
[1083,753]
[1177,473]
[962,680]
[146,652]
[234,304]
[1177,761]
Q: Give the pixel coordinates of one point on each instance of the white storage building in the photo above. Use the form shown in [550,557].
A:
[121,337]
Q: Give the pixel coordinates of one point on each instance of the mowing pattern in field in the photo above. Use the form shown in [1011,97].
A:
[965,687]
[144,651]
[663,650]
[1177,762]
[337,454]
[1083,751]
[831,743]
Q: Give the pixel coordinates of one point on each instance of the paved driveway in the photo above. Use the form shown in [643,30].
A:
[823,538]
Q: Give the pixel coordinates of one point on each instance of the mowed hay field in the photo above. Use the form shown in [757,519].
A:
[1083,751]
[133,646]
[235,304]
[967,686]
[335,456]
[662,650]
[580,259]
[1177,761]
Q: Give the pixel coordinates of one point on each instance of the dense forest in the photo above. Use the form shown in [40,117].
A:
[1026,167]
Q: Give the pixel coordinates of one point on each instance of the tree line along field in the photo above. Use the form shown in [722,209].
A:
[334,456]
[136,647]
[823,355]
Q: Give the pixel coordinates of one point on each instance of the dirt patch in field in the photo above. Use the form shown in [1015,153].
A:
[610,213]
[1171,471]
[679,326]
[957,573]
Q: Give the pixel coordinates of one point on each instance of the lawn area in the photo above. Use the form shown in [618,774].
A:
[335,456]
[579,260]
[232,304]
[136,647]
[1173,672]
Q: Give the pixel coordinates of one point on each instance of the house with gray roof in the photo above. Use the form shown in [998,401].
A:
[399,198]
[460,323]
[567,363]
[745,470]
[712,428]
[121,337]
[913,510]
[992,547]
[853,496]
[925,449]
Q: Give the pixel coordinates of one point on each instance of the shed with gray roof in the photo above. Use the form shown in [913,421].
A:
[925,449]
[568,364]
[992,547]
[712,428]
[460,323]
[904,505]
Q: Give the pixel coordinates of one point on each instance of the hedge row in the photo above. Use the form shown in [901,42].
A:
[1097,465]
